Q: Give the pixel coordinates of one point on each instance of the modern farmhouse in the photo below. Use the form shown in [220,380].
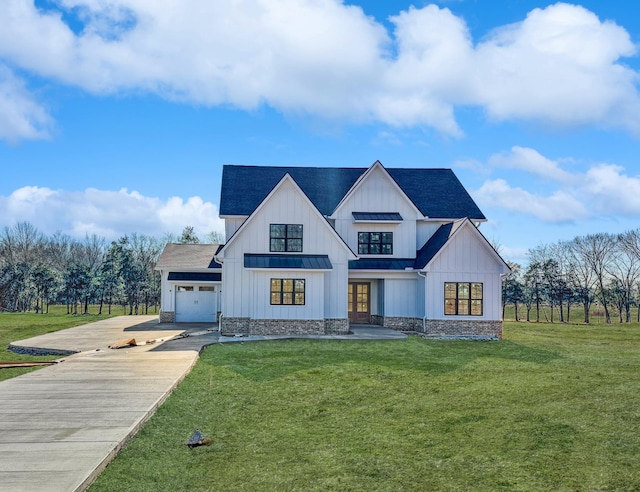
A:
[311,250]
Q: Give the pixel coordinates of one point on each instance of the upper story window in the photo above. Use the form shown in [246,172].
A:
[285,238]
[375,243]
[463,298]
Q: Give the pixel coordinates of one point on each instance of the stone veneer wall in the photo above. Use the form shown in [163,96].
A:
[464,328]
[231,326]
[336,326]
[167,317]
[376,319]
[248,326]
[402,324]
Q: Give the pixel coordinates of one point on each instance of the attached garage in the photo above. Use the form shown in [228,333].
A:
[197,304]
[191,283]
[197,296]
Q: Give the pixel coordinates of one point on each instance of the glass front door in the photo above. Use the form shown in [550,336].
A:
[359,306]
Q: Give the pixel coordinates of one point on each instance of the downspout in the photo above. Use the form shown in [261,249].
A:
[424,318]
[215,258]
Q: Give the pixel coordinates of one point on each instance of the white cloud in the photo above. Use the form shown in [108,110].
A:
[21,117]
[560,66]
[603,190]
[107,213]
[558,207]
[609,189]
[532,161]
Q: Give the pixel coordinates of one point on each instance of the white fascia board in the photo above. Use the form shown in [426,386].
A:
[446,221]
[483,241]
[233,216]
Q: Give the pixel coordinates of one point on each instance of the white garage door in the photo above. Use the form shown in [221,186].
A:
[196,306]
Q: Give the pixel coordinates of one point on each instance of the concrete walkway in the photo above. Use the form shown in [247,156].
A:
[61,425]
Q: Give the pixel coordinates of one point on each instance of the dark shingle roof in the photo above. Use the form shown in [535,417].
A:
[435,243]
[437,193]
[311,262]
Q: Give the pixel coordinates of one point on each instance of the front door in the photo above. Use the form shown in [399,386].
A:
[359,308]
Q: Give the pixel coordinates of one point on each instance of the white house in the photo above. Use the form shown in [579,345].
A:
[311,250]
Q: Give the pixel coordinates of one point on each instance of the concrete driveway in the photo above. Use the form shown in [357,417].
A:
[61,425]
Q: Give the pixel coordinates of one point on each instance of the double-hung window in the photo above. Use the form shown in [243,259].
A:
[463,298]
[375,243]
[287,291]
[285,238]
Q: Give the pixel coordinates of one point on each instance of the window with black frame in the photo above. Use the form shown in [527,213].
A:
[463,298]
[375,243]
[287,292]
[285,238]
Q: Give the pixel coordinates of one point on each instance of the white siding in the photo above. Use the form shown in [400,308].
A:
[401,297]
[378,193]
[247,291]
[231,225]
[335,291]
[166,295]
[465,259]
[314,296]
[424,231]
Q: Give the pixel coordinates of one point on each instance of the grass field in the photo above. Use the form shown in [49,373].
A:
[18,326]
[551,407]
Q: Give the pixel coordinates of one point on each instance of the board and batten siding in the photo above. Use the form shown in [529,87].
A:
[314,296]
[167,299]
[243,297]
[465,259]
[377,193]
[401,298]
[231,225]
[424,231]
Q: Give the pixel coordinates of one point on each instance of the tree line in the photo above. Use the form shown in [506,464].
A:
[37,270]
[598,268]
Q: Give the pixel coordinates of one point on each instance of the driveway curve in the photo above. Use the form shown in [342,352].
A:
[61,425]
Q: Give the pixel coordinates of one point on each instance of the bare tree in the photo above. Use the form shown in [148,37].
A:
[625,270]
[215,237]
[581,276]
[597,251]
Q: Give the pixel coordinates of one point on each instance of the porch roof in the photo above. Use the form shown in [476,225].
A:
[195,276]
[381,264]
[284,261]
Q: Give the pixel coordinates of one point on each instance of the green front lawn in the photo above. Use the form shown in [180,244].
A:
[20,326]
[551,407]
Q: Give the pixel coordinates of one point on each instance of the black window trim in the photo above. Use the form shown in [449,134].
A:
[470,299]
[293,293]
[379,243]
[288,239]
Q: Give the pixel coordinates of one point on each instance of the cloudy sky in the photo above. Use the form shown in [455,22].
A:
[117,115]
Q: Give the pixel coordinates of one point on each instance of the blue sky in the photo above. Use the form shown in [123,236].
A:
[116,116]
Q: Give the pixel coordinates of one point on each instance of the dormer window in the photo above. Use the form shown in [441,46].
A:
[285,238]
[375,243]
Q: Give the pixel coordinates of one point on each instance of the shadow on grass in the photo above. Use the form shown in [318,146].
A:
[276,359]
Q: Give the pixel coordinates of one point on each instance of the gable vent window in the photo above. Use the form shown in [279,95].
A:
[285,238]
[463,298]
[375,243]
